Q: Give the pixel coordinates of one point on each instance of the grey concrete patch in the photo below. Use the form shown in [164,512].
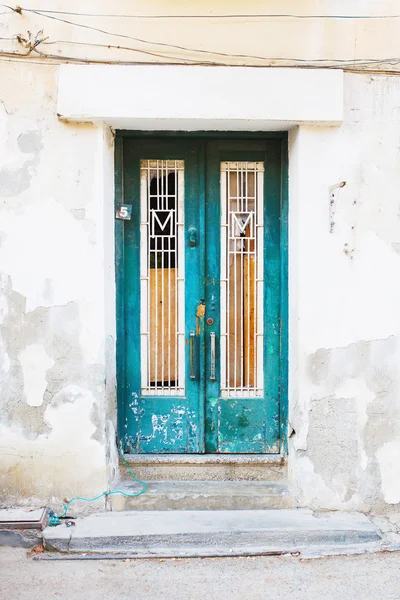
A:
[354,411]
[15,181]
[23,538]
[211,533]
[333,423]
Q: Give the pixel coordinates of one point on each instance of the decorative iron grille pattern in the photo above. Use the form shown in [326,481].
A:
[242,231]
[162,277]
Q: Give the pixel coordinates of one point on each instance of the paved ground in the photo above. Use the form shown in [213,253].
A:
[367,577]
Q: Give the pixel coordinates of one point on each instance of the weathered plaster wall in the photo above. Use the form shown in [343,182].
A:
[344,303]
[57,374]
[56,326]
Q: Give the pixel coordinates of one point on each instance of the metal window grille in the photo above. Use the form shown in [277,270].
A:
[242,278]
[162,277]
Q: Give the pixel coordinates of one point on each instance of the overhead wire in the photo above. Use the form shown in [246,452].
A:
[175,46]
[56,59]
[5,58]
[114,47]
[141,40]
[282,61]
[19,58]
[329,62]
[210,16]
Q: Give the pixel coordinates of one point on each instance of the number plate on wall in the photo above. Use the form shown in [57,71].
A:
[124,212]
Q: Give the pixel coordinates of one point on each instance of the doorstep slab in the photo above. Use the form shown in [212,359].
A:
[205,459]
[209,467]
[210,533]
[203,495]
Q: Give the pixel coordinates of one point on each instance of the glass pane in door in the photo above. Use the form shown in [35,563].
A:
[242,282]
[162,277]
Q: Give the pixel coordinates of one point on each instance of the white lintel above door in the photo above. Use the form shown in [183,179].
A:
[194,98]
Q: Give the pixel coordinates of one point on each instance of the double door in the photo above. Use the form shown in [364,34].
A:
[200,279]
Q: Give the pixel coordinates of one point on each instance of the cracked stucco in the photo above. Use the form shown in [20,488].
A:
[53,406]
[57,344]
[345,322]
[348,439]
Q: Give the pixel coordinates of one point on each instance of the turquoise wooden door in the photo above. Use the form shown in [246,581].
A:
[200,359]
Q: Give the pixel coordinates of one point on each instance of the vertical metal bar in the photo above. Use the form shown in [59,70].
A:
[181,277]
[177,267]
[260,282]
[156,280]
[241,303]
[144,277]
[247,243]
[256,260]
[236,285]
[162,282]
[148,300]
[224,341]
[169,278]
[228,290]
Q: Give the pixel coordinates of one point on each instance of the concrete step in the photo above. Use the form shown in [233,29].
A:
[203,495]
[206,467]
[211,533]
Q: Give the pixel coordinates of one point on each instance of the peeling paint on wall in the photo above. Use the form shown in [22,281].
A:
[389,460]
[52,297]
[35,362]
[63,462]
[352,420]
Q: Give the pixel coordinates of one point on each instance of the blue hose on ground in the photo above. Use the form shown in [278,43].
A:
[57,519]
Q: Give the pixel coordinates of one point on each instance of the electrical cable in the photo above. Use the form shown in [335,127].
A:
[218,16]
[274,59]
[194,50]
[55,520]
[283,61]
[163,44]
[364,67]
[339,61]
[56,61]
[141,40]
[110,46]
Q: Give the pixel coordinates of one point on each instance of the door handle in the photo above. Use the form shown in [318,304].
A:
[192,357]
[212,350]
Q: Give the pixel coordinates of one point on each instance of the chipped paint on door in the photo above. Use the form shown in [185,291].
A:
[202,362]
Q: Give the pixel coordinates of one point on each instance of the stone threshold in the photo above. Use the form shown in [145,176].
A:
[206,459]
[217,533]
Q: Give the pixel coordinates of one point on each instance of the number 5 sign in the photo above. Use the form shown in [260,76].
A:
[124,212]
